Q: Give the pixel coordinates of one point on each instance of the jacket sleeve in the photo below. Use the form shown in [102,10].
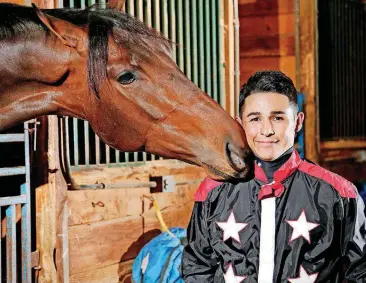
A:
[199,262]
[355,239]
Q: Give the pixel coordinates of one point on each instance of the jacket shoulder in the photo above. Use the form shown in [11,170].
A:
[204,189]
[344,187]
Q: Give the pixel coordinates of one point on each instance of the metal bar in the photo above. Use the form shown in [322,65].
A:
[201,44]
[26,213]
[127,157]
[67,141]
[72,4]
[86,142]
[97,150]
[173,28]
[118,185]
[214,51]
[1,252]
[180,30]
[91,2]
[76,141]
[187,39]
[103,3]
[5,138]
[12,171]
[82,4]
[148,12]
[157,15]
[107,155]
[236,57]
[11,253]
[135,156]
[131,7]
[164,16]
[140,10]
[208,46]
[221,66]
[117,156]
[5,201]
[195,45]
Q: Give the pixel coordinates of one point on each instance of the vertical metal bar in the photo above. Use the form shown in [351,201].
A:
[91,2]
[117,157]
[86,138]
[72,4]
[201,44]
[67,142]
[216,79]
[236,57]
[164,16]
[76,141]
[1,253]
[11,255]
[148,12]
[97,150]
[221,49]
[26,213]
[195,44]
[82,4]
[187,39]
[140,10]
[173,28]
[107,155]
[208,70]
[127,157]
[157,15]
[135,156]
[103,3]
[131,7]
[180,30]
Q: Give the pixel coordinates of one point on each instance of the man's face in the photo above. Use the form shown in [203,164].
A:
[270,124]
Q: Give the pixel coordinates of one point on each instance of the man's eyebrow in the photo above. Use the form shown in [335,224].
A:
[278,112]
[253,114]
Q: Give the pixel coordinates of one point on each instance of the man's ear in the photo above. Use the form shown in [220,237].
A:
[299,121]
[69,34]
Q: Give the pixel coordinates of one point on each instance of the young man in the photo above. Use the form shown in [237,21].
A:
[293,222]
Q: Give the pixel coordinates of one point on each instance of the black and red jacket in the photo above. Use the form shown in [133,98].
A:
[306,226]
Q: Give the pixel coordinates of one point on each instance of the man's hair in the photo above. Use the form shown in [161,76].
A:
[268,81]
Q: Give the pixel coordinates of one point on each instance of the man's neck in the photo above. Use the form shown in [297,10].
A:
[269,167]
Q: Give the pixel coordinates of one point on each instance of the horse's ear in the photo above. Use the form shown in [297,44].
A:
[68,36]
[117,4]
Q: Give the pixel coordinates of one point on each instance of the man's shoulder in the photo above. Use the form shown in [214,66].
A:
[344,187]
[205,188]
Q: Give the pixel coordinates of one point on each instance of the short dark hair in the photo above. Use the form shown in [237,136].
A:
[268,81]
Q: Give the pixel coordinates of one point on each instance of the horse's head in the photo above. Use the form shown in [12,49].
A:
[118,74]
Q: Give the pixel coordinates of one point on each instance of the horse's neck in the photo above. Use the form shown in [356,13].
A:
[26,77]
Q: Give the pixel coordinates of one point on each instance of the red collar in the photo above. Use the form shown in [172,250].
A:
[289,167]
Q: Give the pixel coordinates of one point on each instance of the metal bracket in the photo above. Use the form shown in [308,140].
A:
[164,184]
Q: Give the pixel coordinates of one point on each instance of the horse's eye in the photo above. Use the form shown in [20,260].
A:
[126,78]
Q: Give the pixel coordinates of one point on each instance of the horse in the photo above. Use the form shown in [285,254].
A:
[108,68]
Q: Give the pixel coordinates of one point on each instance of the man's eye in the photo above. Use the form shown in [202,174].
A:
[254,119]
[278,118]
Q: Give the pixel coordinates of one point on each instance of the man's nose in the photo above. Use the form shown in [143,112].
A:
[267,129]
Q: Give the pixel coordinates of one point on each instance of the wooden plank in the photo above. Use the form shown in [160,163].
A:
[249,65]
[307,76]
[46,234]
[265,7]
[89,206]
[120,272]
[263,26]
[255,46]
[343,144]
[173,217]
[104,243]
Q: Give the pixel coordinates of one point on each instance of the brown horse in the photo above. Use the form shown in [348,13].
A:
[112,70]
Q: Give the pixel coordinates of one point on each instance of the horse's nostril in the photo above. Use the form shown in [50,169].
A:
[236,160]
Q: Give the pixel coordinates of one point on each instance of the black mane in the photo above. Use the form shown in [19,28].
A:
[18,21]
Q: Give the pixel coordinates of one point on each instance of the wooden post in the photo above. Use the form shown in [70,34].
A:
[308,74]
[52,216]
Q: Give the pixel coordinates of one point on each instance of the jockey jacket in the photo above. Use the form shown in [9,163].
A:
[307,225]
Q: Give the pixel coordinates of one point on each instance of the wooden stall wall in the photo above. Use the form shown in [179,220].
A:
[267,37]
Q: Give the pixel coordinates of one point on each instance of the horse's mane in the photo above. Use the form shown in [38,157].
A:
[18,21]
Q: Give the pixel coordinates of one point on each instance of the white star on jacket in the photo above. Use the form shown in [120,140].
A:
[231,228]
[301,227]
[230,276]
[304,277]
